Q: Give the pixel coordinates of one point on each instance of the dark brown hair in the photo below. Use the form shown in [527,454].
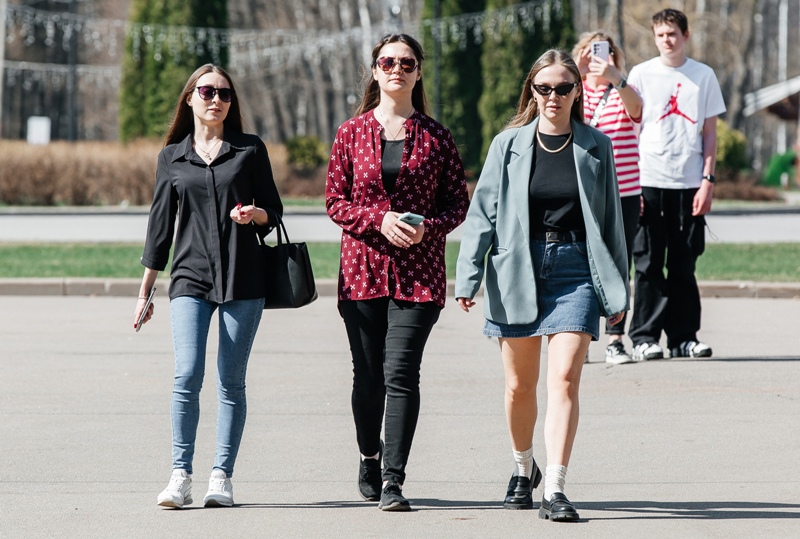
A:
[372,91]
[183,119]
[527,109]
[672,16]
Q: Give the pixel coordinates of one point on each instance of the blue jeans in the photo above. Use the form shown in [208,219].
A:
[191,319]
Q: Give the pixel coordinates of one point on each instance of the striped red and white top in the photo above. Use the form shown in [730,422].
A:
[615,122]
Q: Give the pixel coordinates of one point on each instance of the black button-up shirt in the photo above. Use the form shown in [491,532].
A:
[215,258]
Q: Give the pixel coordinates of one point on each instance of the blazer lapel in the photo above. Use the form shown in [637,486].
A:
[519,173]
[586,165]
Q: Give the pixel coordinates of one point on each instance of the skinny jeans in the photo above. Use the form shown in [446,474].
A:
[191,320]
[387,338]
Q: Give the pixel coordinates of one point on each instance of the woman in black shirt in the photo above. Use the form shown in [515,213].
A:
[218,182]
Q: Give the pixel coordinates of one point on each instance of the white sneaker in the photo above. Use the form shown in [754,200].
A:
[647,351]
[220,490]
[616,354]
[179,491]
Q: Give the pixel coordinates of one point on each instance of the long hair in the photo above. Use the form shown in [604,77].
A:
[372,91]
[599,35]
[183,118]
[527,109]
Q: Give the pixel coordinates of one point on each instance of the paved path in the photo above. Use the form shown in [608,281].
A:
[314,225]
[674,448]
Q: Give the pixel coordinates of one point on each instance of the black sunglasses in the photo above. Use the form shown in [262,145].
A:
[387,63]
[207,93]
[561,89]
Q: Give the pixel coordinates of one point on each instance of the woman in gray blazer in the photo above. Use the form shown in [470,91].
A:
[546,211]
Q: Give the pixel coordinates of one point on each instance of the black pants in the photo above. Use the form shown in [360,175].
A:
[669,236]
[387,338]
[630,222]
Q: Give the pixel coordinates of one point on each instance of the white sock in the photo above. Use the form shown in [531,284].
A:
[554,478]
[376,456]
[524,460]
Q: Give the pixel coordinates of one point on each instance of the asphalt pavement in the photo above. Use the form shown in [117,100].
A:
[672,448]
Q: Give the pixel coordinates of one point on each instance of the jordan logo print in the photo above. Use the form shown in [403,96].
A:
[672,107]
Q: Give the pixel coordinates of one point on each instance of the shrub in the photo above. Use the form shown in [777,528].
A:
[306,153]
[731,148]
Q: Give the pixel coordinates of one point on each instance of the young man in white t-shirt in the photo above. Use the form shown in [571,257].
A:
[677,149]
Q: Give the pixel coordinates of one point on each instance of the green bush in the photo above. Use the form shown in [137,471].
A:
[731,148]
[306,153]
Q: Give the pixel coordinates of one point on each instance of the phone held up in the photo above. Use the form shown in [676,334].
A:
[411,218]
[600,49]
[146,307]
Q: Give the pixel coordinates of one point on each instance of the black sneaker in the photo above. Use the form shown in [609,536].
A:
[691,349]
[392,499]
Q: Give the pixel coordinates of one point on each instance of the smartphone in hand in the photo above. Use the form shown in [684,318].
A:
[411,218]
[600,49]
[146,307]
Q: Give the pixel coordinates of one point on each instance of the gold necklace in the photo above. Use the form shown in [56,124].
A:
[204,152]
[385,123]
[548,150]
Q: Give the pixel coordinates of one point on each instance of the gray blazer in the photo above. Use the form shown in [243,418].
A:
[498,224]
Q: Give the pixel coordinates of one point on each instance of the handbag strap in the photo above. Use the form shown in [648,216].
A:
[598,111]
[280,232]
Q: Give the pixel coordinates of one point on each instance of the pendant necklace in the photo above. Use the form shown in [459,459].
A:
[548,150]
[204,152]
[386,125]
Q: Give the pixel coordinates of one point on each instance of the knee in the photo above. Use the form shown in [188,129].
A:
[520,390]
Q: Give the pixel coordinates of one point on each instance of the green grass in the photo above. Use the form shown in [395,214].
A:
[721,262]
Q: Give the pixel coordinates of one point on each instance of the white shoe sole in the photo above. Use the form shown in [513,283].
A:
[174,503]
[215,500]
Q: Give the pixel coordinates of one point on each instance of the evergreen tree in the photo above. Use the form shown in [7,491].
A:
[154,71]
[508,53]
[460,80]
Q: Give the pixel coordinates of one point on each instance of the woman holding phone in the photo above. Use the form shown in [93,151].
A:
[614,107]
[389,159]
[544,226]
[214,195]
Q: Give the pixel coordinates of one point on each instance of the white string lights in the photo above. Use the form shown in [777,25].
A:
[248,50]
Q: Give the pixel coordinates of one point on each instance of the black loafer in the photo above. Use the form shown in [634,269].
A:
[558,508]
[520,490]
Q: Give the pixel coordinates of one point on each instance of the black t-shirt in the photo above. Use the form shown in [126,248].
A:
[554,198]
[391,158]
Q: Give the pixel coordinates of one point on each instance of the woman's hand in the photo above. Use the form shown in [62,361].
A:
[137,312]
[249,214]
[615,319]
[606,70]
[401,234]
[465,304]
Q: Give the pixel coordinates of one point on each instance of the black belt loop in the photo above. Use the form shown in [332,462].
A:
[565,236]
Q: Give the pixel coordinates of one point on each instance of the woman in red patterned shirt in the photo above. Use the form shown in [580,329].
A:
[389,159]
[614,107]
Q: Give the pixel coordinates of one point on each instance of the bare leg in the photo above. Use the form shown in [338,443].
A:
[521,364]
[565,352]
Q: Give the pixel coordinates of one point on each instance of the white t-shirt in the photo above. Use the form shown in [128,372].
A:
[677,100]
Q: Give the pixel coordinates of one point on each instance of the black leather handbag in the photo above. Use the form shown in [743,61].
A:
[288,277]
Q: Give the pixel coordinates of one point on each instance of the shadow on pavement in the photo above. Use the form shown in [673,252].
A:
[695,510]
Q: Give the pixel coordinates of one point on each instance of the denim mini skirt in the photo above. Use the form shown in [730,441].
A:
[564,292]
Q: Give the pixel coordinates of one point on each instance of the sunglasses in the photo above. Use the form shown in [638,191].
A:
[387,63]
[207,93]
[561,89]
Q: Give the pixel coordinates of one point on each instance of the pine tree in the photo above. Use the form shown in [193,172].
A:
[154,72]
[508,53]
[460,80]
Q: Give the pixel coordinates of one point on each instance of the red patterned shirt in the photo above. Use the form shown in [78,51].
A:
[615,122]
[431,182]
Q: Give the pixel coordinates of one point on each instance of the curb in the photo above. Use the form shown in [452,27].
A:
[58,286]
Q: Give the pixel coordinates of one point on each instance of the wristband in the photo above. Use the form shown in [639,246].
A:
[709,178]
